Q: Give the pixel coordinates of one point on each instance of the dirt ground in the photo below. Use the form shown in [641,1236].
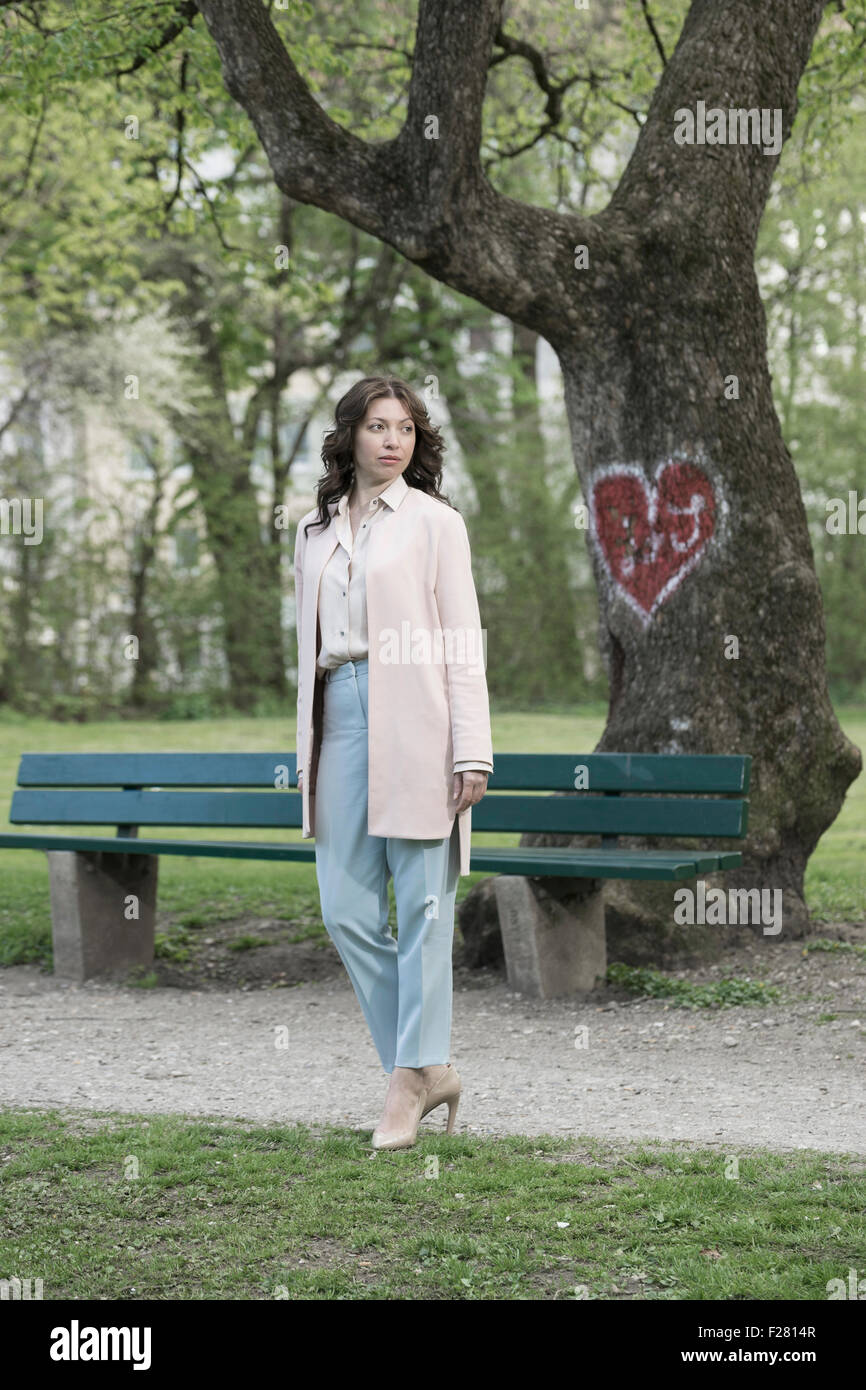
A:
[274,1033]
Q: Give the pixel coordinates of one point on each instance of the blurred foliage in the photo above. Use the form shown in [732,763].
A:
[129,176]
[811,261]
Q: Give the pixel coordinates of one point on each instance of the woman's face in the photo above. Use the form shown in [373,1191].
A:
[384,442]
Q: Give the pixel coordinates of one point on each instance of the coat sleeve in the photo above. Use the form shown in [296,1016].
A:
[299,595]
[462,637]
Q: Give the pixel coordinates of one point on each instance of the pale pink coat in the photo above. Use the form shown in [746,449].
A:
[424,714]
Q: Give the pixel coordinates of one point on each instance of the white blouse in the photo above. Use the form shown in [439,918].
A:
[343,592]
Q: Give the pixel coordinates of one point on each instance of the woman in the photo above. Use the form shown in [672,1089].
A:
[394,744]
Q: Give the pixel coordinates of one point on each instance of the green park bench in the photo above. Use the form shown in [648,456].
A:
[103,889]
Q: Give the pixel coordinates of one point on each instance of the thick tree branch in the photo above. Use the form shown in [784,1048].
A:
[731,54]
[424,193]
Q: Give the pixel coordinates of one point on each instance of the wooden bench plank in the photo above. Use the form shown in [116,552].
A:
[538,863]
[611,815]
[651,772]
[74,806]
[155,769]
[633,772]
[210,849]
[702,859]
[549,814]
[593,864]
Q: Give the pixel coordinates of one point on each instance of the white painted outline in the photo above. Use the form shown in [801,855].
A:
[651,492]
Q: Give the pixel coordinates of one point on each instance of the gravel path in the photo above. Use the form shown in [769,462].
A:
[771,1077]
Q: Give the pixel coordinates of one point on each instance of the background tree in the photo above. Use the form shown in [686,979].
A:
[812,258]
[220,252]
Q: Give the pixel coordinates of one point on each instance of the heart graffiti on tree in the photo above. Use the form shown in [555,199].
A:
[652,534]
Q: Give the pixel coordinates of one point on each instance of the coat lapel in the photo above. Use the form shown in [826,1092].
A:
[320,547]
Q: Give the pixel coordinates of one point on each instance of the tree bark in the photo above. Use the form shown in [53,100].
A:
[698,532]
[141,571]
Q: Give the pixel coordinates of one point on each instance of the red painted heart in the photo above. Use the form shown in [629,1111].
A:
[651,534]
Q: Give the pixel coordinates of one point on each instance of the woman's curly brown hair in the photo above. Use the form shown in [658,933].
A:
[424,470]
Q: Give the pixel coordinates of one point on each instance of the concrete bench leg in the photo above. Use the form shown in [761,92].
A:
[103,911]
[550,951]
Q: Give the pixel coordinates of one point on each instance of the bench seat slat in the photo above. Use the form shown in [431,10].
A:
[653,864]
[594,864]
[209,849]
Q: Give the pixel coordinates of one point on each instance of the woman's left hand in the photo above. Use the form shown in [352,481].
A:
[469,787]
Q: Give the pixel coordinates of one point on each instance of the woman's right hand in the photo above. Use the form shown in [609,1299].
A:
[300,781]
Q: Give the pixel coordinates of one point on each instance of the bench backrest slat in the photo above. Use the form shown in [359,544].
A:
[620,772]
[621,815]
[70,806]
[156,769]
[554,814]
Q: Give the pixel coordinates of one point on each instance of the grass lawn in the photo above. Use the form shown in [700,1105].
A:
[221,890]
[119,1207]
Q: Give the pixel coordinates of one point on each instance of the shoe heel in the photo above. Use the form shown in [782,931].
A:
[452,1113]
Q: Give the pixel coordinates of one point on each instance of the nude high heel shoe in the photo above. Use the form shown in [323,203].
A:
[444,1091]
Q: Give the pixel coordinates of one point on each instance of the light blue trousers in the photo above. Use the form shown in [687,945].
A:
[404,985]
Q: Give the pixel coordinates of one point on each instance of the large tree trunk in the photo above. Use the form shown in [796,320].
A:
[698,530]
[719,647]
[711,624]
